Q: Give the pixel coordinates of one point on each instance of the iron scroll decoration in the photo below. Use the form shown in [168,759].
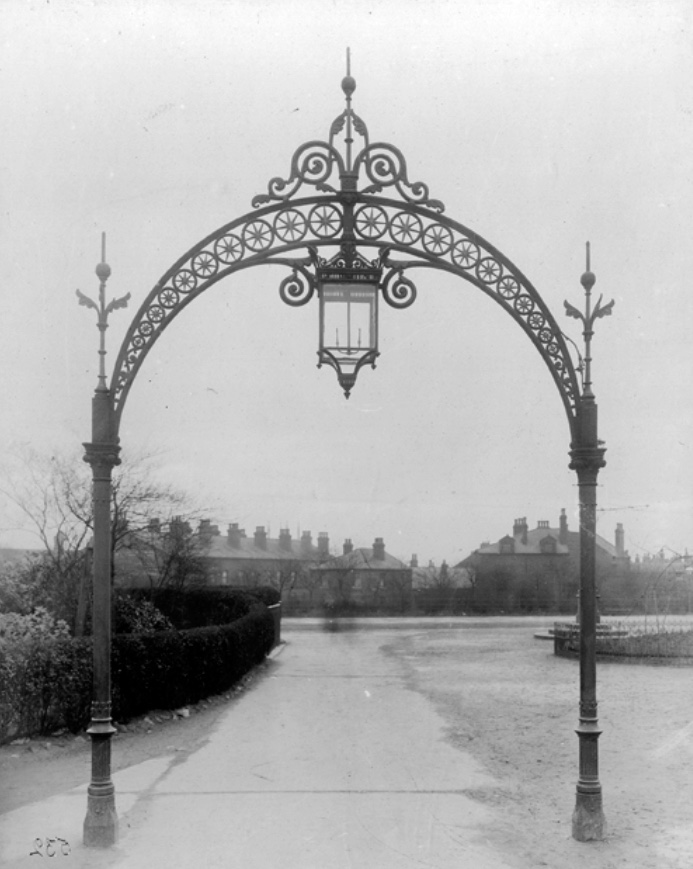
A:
[405,231]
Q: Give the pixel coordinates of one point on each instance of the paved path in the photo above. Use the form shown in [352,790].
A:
[328,762]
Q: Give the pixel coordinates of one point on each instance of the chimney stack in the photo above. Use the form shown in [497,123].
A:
[154,526]
[260,537]
[620,548]
[323,544]
[306,543]
[520,529]
[233,536]
[205,531]
[348,546]
[414,561]
[563,529]
[285,539]
[379,549]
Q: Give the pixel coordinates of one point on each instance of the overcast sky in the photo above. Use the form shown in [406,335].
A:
[539,125]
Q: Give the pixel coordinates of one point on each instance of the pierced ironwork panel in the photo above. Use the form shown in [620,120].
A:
[435,240]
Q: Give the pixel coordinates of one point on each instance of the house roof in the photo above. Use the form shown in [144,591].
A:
[362,559]
[531,547]
[533,544]
[247,549]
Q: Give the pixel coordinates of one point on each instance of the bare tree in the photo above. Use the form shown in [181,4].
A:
[170,555]
[52,495]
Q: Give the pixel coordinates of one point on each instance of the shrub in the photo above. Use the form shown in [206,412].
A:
[46,676]
[133,615]
[32,648]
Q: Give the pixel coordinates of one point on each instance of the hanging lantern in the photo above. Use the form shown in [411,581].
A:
[348,290]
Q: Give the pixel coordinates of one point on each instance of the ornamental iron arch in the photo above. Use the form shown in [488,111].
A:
[322,220]
[346,213]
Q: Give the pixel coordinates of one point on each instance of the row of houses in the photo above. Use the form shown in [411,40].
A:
[528,568]
[304,568]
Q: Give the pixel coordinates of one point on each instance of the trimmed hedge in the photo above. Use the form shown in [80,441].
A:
[199,607]
[163,670]
[173,668]
[267,594]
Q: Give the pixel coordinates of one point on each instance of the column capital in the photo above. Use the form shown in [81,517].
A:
[587,460]
[102,455]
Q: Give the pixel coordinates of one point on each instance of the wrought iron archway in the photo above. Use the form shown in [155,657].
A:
[343,214]
[403,233]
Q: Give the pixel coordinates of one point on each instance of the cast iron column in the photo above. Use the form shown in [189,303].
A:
[587,457]
[101,822]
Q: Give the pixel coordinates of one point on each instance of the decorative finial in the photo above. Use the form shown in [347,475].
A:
[588,280]
[348,83]
[103,272]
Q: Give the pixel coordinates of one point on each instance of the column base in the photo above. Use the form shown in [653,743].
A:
[101,822]
[589,824]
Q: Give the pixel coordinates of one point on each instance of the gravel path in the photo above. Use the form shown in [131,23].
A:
[510,702]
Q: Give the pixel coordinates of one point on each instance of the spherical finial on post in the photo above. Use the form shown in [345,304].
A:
[588,279]
[348,83]
[103,270]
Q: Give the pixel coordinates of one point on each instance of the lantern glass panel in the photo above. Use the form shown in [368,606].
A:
[349,328]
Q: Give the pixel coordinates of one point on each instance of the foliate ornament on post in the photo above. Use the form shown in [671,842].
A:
[588,280]
[103,272]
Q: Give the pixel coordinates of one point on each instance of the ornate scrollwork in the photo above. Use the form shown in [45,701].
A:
[313,163]
[297,289]
[385,166]
[398,291]
[333,168]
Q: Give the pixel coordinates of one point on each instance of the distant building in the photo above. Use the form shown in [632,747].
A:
[236,559]
[539,567]
[368,576]
[302,569]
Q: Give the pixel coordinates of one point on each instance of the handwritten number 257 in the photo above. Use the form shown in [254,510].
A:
[50,846]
